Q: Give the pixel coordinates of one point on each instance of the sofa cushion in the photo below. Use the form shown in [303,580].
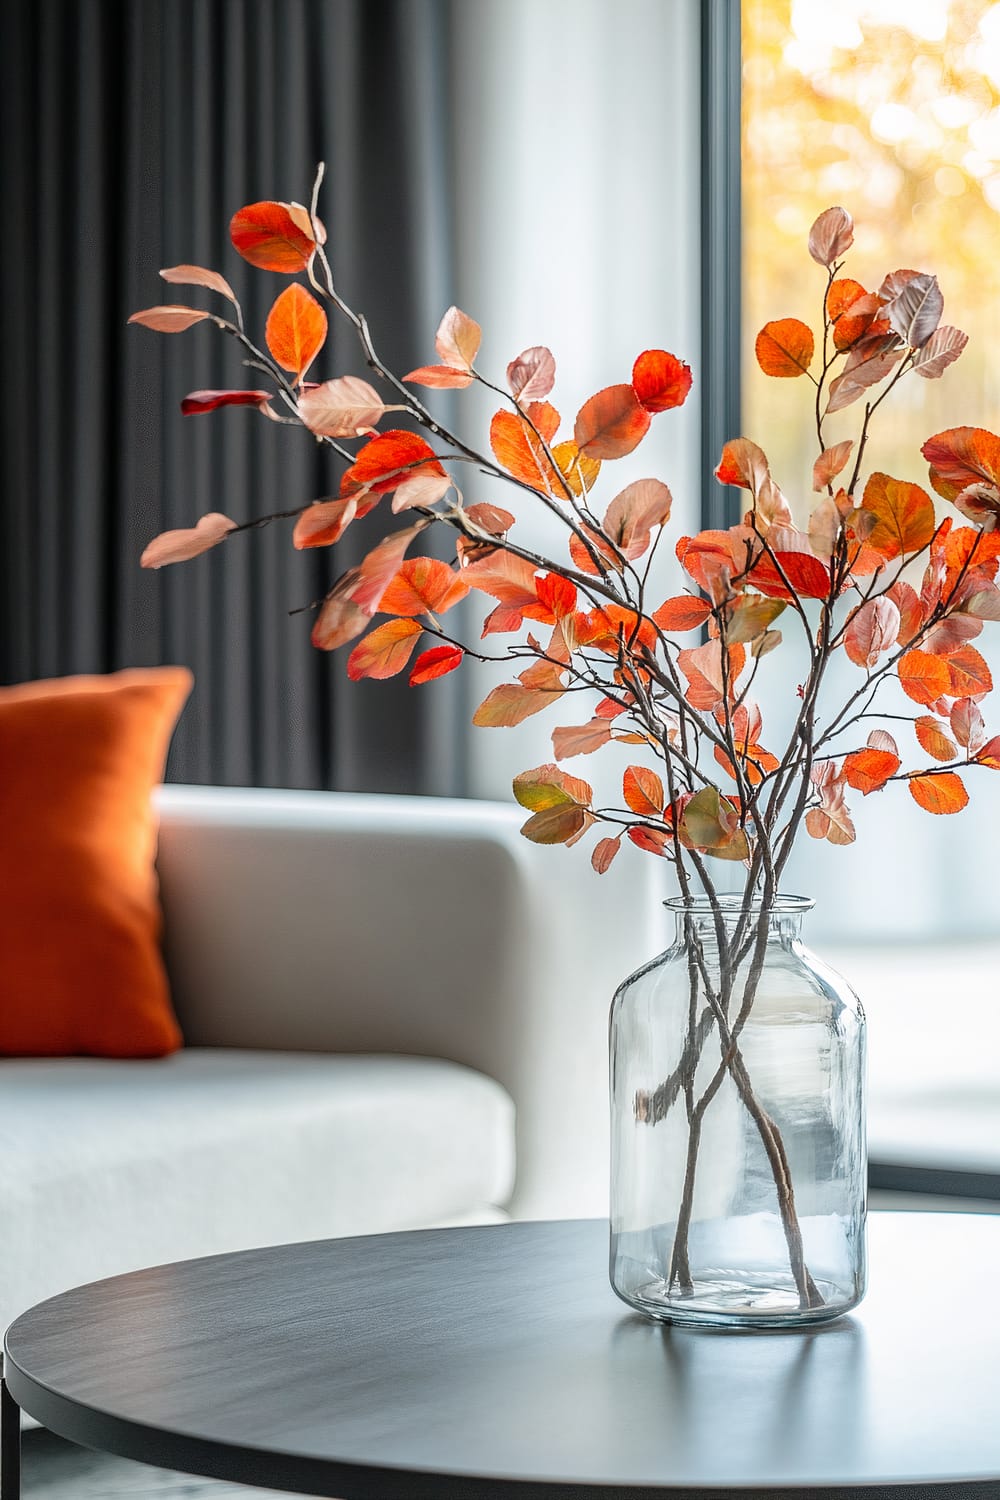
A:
[80,963]
[109,1166]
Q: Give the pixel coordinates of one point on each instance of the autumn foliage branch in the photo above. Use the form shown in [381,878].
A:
[873,573]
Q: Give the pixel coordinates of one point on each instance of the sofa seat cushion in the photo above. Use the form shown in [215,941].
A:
[107,1166]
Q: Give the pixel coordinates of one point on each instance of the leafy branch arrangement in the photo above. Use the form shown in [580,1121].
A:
[874,574]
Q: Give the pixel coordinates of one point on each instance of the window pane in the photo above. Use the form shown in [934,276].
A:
[890,108]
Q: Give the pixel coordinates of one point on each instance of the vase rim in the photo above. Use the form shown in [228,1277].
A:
[731,904]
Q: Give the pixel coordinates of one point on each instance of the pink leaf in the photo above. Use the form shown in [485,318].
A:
[831,236]
[179,546]
[604,852]
[341,408]
[872,629]
[458,338]
[830,463]
[422,489]
[169,319]
[941,349]
[916,311]
[441,377]
[532,374]
[643,504]
[198,276]
[324,523]
[580,739]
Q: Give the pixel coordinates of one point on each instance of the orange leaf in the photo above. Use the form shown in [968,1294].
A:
[192,541]
[869,770]
[441,377]
[511,703]
[643,791]
[582,559]
[683,612]
[355,596]
[511,579]
[517,449]
[382,464]
[604,852]
[169,319]
[904,515]
[323,523]
[857,320]
[423,585]
[969,676]
[611,423]
[932,738]
[923,677]
[436,662]
[843,292]
[942,792]
[295,330]
[989,755]
[660,380]
[579,471]
[557,594]
[384,651]
[580,739]
[961,456]
[784,348]
[605,624]
[267,235]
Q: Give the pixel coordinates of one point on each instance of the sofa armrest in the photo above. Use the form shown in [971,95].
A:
[350,923]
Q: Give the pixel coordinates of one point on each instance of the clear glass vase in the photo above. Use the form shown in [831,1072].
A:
[738,1158]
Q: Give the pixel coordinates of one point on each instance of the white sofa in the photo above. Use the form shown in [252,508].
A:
[395,1012]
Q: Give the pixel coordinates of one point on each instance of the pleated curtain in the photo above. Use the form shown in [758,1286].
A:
[131,133]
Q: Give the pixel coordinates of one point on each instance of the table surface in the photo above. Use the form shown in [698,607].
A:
[480,1362]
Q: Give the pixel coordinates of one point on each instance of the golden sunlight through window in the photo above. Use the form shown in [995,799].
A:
[890,108]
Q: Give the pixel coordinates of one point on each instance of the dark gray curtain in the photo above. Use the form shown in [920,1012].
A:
[131,134]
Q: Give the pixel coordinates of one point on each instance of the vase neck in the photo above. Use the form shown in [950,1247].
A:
[732,916]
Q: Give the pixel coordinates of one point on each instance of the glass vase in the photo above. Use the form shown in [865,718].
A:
[738,1158]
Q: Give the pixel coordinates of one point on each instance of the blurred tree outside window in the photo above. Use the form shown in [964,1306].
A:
[890,108]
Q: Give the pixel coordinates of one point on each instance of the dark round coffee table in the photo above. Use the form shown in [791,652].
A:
[463,1363]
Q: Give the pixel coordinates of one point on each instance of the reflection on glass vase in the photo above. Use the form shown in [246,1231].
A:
[738,1164]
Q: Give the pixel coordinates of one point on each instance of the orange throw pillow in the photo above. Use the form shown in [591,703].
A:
[80,964]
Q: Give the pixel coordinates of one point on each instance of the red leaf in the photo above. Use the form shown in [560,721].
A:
[650,840]
[502,620]
[604,852]
[203,401]
[989,755]
[556,593]
[611,423]
[269,237]
[423,585]
[296,329]
[683,612]
[643,791]
[385,651]
[807,575]
[532,374]
[383,464]
[660,380]
[869,770]
[180,546]
[436,662]
[784,348]
[169,319]
[943,792]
